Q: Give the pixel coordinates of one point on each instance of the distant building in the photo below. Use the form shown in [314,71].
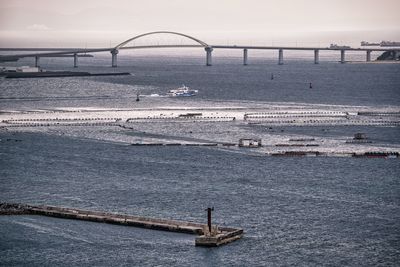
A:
[364,43]
[360,136]
[28,69]
[20,69]
[382,44]
[249,142]
[335,46]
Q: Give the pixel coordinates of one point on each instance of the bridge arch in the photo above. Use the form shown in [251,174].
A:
[204,44]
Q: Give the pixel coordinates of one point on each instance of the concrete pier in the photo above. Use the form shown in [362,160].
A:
[396,54]
[114,54]
[316,56]
[75,60]
[368,56]
[342,56]
[208,55]
[280,61]
[37,61]
[245,56]
[219,235]
[219,239]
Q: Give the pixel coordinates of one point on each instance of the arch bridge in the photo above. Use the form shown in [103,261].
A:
[122,45]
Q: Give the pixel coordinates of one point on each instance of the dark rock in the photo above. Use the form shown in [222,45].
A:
[13,209]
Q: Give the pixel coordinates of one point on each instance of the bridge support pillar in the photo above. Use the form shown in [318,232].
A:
[342,56]
[245,56]
[114,54]
[368,55]
[280,61]
[75,60]
[37,62]
[208,55]
[316,56]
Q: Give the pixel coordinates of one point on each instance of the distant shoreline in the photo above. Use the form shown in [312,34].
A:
[59,74]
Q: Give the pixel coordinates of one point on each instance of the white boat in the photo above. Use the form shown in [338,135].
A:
[182,91]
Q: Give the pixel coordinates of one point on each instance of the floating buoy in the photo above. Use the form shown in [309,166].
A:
[272,76]
[310,85]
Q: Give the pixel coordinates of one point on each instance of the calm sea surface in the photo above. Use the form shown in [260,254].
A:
[295,211]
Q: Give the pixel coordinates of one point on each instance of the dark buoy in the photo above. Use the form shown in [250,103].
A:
[137,97]
[272,76]
[310,85]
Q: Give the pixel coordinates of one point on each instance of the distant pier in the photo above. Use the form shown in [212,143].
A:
[216,237]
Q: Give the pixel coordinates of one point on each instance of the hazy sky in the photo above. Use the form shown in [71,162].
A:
[105,22]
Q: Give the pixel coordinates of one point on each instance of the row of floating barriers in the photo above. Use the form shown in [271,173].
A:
[129,120]
[60,124]
[326,122]
[63,119]
[219,144]
[287,153]
[186,144]
[190,119]
[296,145]
[382,114]
[332,113]
[22,123]
[374,154]
[291,116]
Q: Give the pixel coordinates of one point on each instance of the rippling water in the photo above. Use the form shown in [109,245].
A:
[333,83]
[295,211]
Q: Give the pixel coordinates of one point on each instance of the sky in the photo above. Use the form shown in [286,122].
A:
[103,23]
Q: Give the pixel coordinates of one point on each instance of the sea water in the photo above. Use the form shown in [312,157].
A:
[294,211]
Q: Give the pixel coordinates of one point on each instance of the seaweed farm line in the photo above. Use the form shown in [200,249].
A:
[143,126]
[268,115]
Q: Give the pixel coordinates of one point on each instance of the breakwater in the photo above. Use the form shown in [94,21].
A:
[218,236]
